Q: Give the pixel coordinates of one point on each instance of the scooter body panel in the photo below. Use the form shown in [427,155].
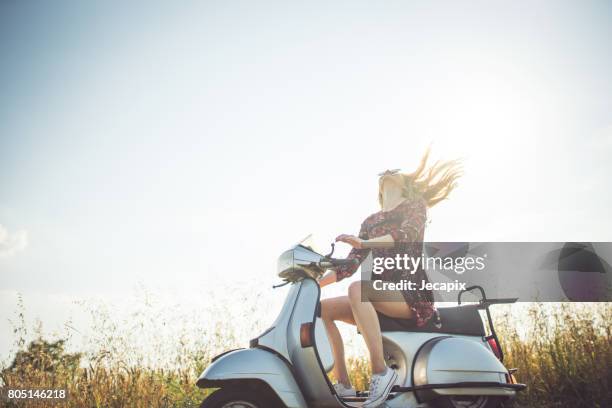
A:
[306,360]
[308,366]
[453,359]
[399,351]
[275,338]
[435,358]
[255,364]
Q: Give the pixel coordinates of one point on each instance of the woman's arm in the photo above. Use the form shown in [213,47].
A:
[414,216]
[357,253]
[361,247]
[328,279]
[385,241]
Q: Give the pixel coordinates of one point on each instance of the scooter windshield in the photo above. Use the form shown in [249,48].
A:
[309,242]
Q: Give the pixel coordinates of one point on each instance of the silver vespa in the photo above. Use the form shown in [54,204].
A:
[457,365]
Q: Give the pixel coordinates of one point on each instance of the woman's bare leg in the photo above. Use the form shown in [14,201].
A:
[367,323]
[366,318]
[337,308]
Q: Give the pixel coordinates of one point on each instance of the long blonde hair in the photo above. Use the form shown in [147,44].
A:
[433,183]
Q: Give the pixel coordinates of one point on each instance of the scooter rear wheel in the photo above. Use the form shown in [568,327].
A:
[230,397]
[467,402]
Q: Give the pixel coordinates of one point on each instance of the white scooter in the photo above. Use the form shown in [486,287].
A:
[457,365]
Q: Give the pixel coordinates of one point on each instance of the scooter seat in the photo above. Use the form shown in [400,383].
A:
[455,320]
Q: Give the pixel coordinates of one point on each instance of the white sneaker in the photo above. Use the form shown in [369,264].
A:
[342,391]
[380,387]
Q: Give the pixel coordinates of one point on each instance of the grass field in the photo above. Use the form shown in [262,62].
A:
[562,352]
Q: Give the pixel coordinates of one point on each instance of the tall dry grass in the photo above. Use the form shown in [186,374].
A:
[148,358]
[111,373]
[563,353]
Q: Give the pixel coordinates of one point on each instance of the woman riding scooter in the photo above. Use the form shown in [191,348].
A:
[398,228]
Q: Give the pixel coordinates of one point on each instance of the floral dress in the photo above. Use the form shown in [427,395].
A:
[406,224]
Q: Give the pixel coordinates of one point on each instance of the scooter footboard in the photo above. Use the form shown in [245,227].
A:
[254,364]
[461,367]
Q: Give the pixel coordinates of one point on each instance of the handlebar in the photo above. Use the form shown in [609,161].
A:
[330,263]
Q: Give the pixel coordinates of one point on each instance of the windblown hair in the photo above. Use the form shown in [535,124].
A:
[433,183]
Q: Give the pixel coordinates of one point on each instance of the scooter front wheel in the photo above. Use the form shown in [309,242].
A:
[230,397]
[467,402]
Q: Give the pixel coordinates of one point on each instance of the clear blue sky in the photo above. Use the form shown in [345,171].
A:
[183,143]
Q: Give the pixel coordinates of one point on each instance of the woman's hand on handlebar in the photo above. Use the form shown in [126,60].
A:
[352,240]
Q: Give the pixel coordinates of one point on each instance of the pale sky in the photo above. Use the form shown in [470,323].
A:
[180,144]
